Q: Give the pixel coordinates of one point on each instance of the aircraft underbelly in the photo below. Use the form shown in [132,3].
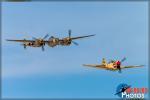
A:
[36,45]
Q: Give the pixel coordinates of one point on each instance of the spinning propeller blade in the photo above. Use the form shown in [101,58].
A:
[69,32]
[75,43]
[123,59]
[24,46]
[45,36]
[43,48]
[42,38]
[120,71]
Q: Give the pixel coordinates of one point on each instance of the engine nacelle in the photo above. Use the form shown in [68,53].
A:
[65,41]
[53,42]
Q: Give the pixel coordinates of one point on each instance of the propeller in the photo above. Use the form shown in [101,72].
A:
[69,32]
[24,46]
[120,71]
[75,43]
[42,38]
[43,48]
[123,59]
[41,41]
[45,36]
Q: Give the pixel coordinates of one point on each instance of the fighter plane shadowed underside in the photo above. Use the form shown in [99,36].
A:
[112,65]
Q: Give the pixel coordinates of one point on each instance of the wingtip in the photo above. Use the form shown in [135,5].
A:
[83,65]
[93,34]
[141,65]
[7,39]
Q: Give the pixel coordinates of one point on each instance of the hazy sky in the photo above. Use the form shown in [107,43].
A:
[121,30]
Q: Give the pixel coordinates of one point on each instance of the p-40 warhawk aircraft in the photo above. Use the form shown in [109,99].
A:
[52,41]
[112,65]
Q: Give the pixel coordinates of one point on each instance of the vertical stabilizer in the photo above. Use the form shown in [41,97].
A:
[104,61]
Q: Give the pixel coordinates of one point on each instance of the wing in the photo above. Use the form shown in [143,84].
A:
[82,37]
[21,40]
[132,66]
[95,66]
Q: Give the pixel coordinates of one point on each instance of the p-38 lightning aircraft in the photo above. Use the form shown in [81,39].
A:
[112,65]
[52,41]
